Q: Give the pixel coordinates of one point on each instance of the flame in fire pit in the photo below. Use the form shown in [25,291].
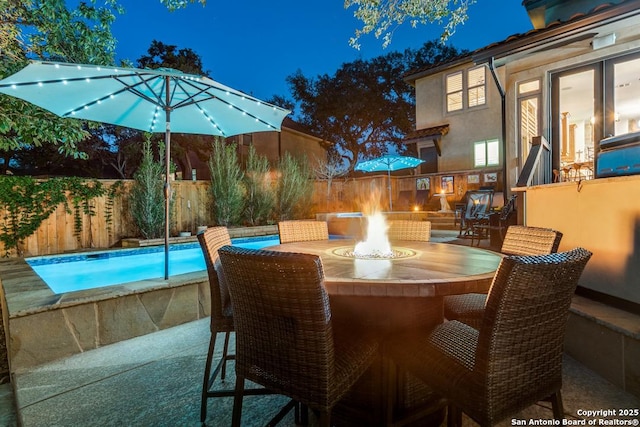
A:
[376,244]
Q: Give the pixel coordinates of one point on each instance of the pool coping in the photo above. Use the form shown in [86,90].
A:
[42,326]
[26,293]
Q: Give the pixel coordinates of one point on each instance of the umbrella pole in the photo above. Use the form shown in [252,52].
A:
[389,186]
[167,185]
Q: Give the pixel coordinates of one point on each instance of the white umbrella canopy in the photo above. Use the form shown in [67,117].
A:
[159,100]
[387,164]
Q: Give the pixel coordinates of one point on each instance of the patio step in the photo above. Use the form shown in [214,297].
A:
[606,340]
[442,220]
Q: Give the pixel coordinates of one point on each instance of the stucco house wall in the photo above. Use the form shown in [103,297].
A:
[589,213]
[465,126]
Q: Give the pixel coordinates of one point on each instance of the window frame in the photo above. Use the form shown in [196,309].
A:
[450,93]
[475,87]
[466,89]
[521,98]
[486,143]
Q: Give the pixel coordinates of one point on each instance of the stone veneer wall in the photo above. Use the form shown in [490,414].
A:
[73,327]
[41,326]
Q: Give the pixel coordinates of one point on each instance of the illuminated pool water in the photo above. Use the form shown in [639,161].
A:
[69,273]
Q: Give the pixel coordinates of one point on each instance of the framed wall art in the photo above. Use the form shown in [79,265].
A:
[422,184]
[491,177]
[446,184]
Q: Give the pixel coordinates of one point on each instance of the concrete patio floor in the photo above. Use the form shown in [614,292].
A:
[155,380]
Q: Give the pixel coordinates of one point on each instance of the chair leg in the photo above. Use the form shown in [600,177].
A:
[237,402]
[225,350]
[301,414]
[324,419]
[394,373]
[207,373]
[556,405]
[454,416]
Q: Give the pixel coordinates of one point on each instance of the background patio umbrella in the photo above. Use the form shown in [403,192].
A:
[388,163]
[159,100]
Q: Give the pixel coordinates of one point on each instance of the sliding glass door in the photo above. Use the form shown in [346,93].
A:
[590,103]
[577,124]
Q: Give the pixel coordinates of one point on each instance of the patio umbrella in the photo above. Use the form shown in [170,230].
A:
[161,100]
[388,163]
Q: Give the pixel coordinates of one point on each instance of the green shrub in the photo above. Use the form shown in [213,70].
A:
[147,194]
[294,188]
[260,198]
[226,184]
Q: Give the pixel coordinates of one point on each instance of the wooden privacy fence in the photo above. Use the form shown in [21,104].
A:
[57,234]
[192,207]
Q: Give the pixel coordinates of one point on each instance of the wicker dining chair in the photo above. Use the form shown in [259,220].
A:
[285,338]
[515,359]
[211,240]
[402,229]
[519,240]
[302,231]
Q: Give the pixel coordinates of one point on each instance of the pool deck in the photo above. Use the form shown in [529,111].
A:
[55,335]
[155,380]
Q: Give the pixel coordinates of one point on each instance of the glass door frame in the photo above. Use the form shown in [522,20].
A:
[598,103]
[609,82]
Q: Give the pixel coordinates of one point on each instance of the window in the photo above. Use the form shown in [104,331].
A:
[486,153]
[470,83]
[529,102]
[626,109]
[476,94]
[454,92]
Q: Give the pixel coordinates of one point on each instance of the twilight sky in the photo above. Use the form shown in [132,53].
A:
[253,45]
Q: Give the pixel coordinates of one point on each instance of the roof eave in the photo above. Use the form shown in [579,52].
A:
[411,78]
[574,30]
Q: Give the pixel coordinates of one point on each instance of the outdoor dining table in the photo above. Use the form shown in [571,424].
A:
[397,295]
[423,270]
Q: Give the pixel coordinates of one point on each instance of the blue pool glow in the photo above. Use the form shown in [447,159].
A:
[69,273]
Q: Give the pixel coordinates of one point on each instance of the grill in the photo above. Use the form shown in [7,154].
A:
[619,155]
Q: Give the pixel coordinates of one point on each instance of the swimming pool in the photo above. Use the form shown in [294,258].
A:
[69,273]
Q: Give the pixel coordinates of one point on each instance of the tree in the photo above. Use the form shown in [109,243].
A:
[329,169]
[366,107]
[49,30]
[46,29]
[160,55]
[180,4]
[379,16]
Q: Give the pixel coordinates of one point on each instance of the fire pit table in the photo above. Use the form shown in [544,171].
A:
[397,293]
[420,269]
